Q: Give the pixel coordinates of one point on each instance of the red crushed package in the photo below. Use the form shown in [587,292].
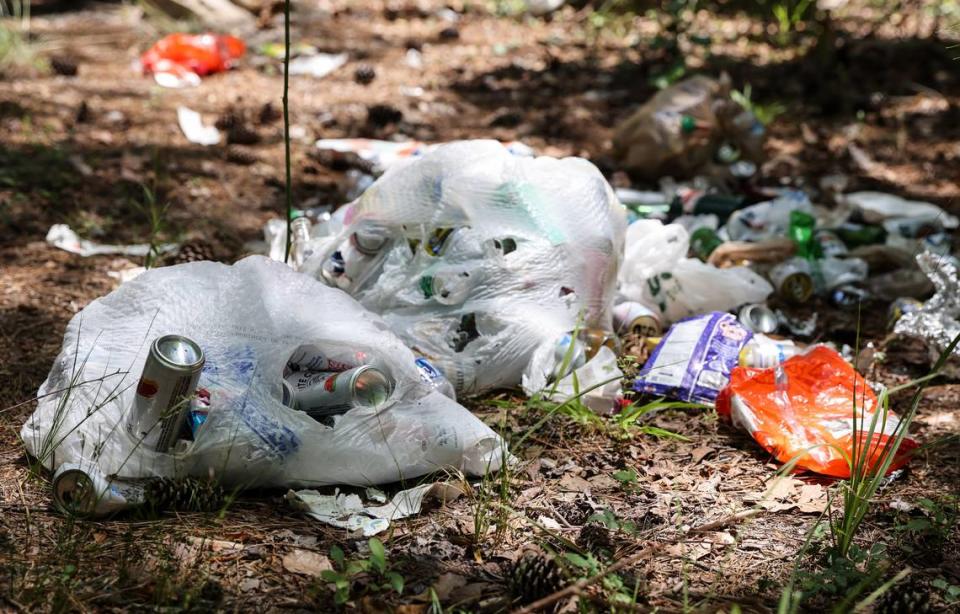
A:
[810,412]
[199,54]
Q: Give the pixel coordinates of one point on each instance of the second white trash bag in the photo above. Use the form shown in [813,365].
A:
[249,319]
[477,257]
[657,273]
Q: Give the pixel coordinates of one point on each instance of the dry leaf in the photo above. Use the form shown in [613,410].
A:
[573,483]
[446,584]
[698,454]
[249,584]
[812,499]
[603,481]
[549,523]
[306,562]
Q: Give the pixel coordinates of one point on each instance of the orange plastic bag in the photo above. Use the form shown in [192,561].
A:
[198,54]
[810,412]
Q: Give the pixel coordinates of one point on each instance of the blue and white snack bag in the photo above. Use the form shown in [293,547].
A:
[694,359]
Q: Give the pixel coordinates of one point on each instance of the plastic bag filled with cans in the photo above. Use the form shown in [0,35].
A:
[477,258]
[251,373]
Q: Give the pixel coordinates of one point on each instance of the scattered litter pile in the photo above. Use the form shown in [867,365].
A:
[296,384]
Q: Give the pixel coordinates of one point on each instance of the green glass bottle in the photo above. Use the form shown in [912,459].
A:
[703,241]
[802,225]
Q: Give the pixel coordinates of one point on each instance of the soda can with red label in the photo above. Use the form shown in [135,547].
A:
[164,392]
[328,394]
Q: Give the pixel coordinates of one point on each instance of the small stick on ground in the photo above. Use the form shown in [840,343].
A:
[577,587]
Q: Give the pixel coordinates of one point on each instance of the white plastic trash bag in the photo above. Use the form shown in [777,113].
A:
[476,257]
[657,273]
[249,319]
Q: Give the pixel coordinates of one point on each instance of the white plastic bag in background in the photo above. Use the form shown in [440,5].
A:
[249,319]
[657,273]
[486,256]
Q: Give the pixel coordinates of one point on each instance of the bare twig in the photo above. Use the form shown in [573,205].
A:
[577,587]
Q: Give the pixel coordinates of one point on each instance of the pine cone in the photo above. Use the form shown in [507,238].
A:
[365,74]
[229,119]
[911,597]
[268,114]
[243,157]
[185,494]
[194,250]
[533,577]
[595,538]
[383,115]
[64,66]
[241,134]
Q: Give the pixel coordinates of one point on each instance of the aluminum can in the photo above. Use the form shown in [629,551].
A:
[793,280]
[328,394]
[81,489]
[636,318]
[368,243]
[351,261]
[848,297]
[312,358]
[166,386]
[901,307]
[758,318]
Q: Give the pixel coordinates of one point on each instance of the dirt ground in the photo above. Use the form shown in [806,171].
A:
[80,149]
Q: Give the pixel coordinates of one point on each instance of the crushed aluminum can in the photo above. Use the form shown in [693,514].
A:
[758,318]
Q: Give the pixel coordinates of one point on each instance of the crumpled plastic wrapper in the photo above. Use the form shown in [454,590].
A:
[936,322]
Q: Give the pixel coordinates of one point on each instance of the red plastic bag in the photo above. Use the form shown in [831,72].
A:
[182,55]
[810,412]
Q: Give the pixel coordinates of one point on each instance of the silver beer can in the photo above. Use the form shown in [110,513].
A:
[758,318]
[328,394]
[81,489]
[167,384]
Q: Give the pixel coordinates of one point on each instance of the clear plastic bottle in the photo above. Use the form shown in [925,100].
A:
[763,352]
[299,240]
